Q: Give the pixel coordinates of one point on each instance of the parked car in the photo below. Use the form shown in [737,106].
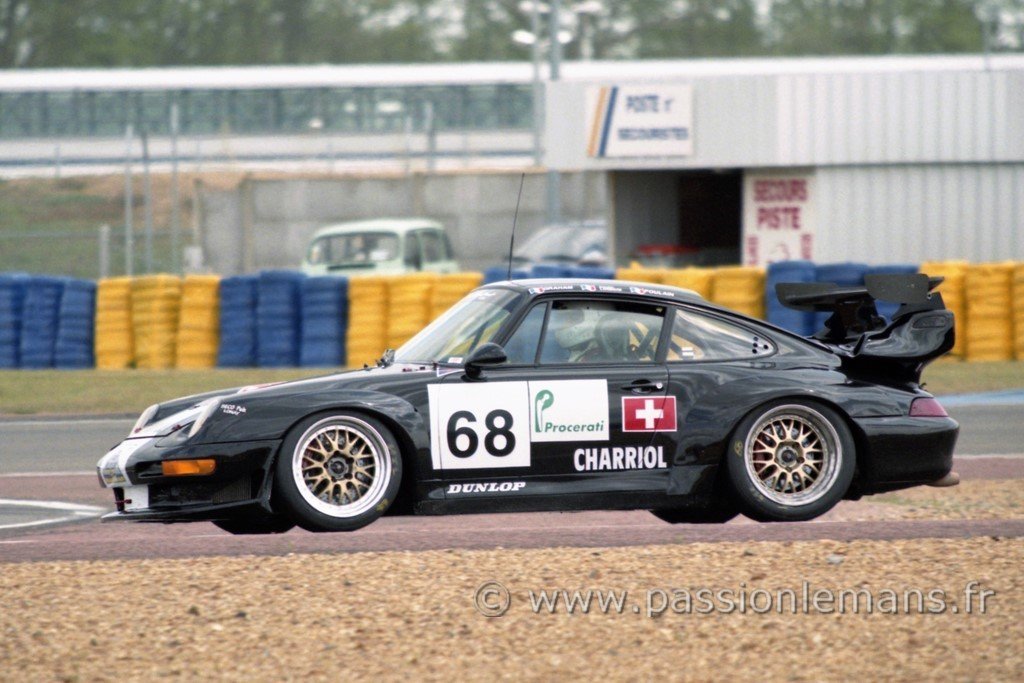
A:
[567,244]
[386,246]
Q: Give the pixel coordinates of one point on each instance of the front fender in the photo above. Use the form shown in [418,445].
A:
[257,417]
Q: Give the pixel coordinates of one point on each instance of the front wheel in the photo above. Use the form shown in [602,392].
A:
[791,460]
[337,472]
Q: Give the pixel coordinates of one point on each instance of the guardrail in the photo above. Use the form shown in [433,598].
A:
[284,318]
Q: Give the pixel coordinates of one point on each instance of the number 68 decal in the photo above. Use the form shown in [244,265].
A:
[479,426]
[496,433]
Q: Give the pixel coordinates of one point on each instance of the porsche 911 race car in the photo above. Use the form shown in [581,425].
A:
[568,395]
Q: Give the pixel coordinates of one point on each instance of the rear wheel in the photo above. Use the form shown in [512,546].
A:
[337,472]
[791,460]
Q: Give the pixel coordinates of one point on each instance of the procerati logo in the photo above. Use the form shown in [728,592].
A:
[543,424]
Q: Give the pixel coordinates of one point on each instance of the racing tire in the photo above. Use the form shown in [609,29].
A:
[256,525]
[337,472]
[790,460]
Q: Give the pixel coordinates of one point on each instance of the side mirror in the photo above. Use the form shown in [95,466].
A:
[488,353]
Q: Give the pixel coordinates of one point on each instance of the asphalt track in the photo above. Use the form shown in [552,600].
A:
[52,462]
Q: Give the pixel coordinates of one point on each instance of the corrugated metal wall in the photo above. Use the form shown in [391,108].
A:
[911,213]
[783,120]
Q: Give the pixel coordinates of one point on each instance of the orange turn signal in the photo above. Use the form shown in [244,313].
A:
[185,468]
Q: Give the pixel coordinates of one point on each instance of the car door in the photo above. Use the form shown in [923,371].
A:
[582,401]
[710,360]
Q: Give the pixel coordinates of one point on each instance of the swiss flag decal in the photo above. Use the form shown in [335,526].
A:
[649,414]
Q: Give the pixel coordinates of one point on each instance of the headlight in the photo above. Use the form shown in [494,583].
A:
[146,416]
[209,408]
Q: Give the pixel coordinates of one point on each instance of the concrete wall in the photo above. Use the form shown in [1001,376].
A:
[266,223]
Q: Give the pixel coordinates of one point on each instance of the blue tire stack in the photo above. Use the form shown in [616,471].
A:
[842,274]
[237,322]
[887,308]
[278,318]
[39,321]
[324,321]
[592,272]
[550,270]
[12,297]
[75,330]
[500,273]
[799,322]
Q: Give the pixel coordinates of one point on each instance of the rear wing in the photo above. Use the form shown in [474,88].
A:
[853,308]
[921,330]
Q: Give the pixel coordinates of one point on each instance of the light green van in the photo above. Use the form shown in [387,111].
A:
[385,246]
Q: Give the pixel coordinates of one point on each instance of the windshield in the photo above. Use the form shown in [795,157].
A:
[469,323]
[562,242]
[355,247]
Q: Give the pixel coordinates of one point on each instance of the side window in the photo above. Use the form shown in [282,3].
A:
[433,248]
[521,347]
[412,251]
[702,337]
[602,332]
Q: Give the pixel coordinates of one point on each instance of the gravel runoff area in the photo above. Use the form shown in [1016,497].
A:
[391,615]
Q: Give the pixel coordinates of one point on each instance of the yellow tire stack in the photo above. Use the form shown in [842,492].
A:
[156,301]
[409,309]
[1018,310]
[989,291]
[697,279]
[740,288]
[114,345]
[367,320]
[636,273]
[952,291]
[449,289]
[199,322]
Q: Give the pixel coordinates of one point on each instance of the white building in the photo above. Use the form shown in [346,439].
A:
[881,160]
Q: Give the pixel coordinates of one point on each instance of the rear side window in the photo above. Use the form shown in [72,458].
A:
[696,336]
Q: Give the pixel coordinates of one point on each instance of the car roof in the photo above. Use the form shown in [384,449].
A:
[399,225]
[654,292]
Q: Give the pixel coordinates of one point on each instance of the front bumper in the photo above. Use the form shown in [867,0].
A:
[900,452]
[239,484]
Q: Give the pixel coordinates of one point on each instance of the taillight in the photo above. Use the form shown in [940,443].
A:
[927,407]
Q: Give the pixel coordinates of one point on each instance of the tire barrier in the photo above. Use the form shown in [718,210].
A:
[638,274]
[1018,311]
[74,347]
[449,289]
[799,322]
[156,302]
[697,279]
[12,297]
[500,273]
[39,319]
[199,322]
[277,318]
[953,295]
[408,306]
[324,305]
[740,288]
[114,332]
[989,291]
[283,318]
[367,320]
[237,322]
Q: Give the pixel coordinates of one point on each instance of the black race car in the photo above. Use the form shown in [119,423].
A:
[568,395]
